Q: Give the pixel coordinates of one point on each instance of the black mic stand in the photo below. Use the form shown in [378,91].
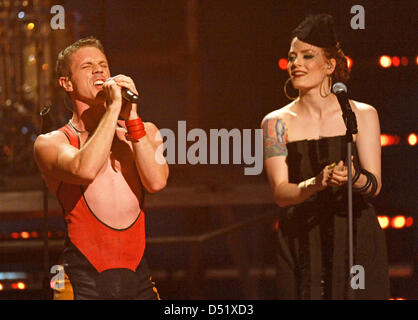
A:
[351,125]
[46,126]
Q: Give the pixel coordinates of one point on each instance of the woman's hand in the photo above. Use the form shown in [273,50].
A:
[338,174]
[323,179]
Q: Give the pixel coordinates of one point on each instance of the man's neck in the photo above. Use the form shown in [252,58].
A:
[86,117]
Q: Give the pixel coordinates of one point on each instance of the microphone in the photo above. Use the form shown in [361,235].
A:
[340,90]
[127,94]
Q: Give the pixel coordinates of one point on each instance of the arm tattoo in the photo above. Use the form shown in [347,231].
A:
[274,138]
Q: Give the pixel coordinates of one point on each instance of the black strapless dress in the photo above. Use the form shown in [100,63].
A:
[312,249]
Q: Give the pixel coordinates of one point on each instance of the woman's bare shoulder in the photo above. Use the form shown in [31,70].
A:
[283,113]
[362,107]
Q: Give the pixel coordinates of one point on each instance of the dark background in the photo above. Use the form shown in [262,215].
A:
[227,77]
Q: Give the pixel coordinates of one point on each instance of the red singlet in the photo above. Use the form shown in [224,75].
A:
[103,246]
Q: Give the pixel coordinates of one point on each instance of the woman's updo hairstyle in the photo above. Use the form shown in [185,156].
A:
[318,30]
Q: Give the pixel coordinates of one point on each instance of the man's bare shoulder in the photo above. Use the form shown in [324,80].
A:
[283,113]
[50,138]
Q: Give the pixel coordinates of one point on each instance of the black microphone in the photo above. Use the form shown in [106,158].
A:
[129,96]
[340,90]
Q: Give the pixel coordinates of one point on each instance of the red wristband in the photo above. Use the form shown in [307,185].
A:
[133,122]
[135,136]
[136,129]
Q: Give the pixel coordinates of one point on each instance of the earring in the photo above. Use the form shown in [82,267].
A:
[285,91]
[327,92]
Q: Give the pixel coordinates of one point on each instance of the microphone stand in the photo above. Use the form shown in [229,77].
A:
[46,126]
[351,125]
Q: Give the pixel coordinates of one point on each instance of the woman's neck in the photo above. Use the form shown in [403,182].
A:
[315,105]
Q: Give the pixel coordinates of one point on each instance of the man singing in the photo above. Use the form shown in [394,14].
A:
[99,167]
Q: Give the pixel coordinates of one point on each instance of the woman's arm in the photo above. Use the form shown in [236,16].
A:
[369,146]
[369,150]
[275,154]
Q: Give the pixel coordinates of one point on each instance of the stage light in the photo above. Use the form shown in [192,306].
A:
[45,66]
[416,60]
[404,61]
[6,150]
[34,234]
[398,222]
[396,61]
[383,221]
[25,3]
[32,59]
[18,285]
[412,139]
[283,63]
[1,287]
[24,235]
[14,235]
[13,275]
[409,222]
[21,15]
[388,140]
[30,26]
[385,61]
[349,62]
[21,285]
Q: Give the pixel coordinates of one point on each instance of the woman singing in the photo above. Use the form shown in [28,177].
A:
[305,161]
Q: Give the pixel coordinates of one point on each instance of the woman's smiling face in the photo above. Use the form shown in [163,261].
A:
[307,65]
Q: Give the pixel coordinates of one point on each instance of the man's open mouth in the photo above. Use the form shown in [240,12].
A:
[98,83]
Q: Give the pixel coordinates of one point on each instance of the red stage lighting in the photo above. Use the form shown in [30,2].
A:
[388,140]
[349,62]
[18,285]
[34,234]
[404,61]
[385,61]
[396,61]
[14,235]
[409,222]
[283,63]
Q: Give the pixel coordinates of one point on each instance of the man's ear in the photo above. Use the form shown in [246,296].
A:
[66,83]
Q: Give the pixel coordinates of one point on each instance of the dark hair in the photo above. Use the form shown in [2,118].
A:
[63,66]
[341,72]
[319,30]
